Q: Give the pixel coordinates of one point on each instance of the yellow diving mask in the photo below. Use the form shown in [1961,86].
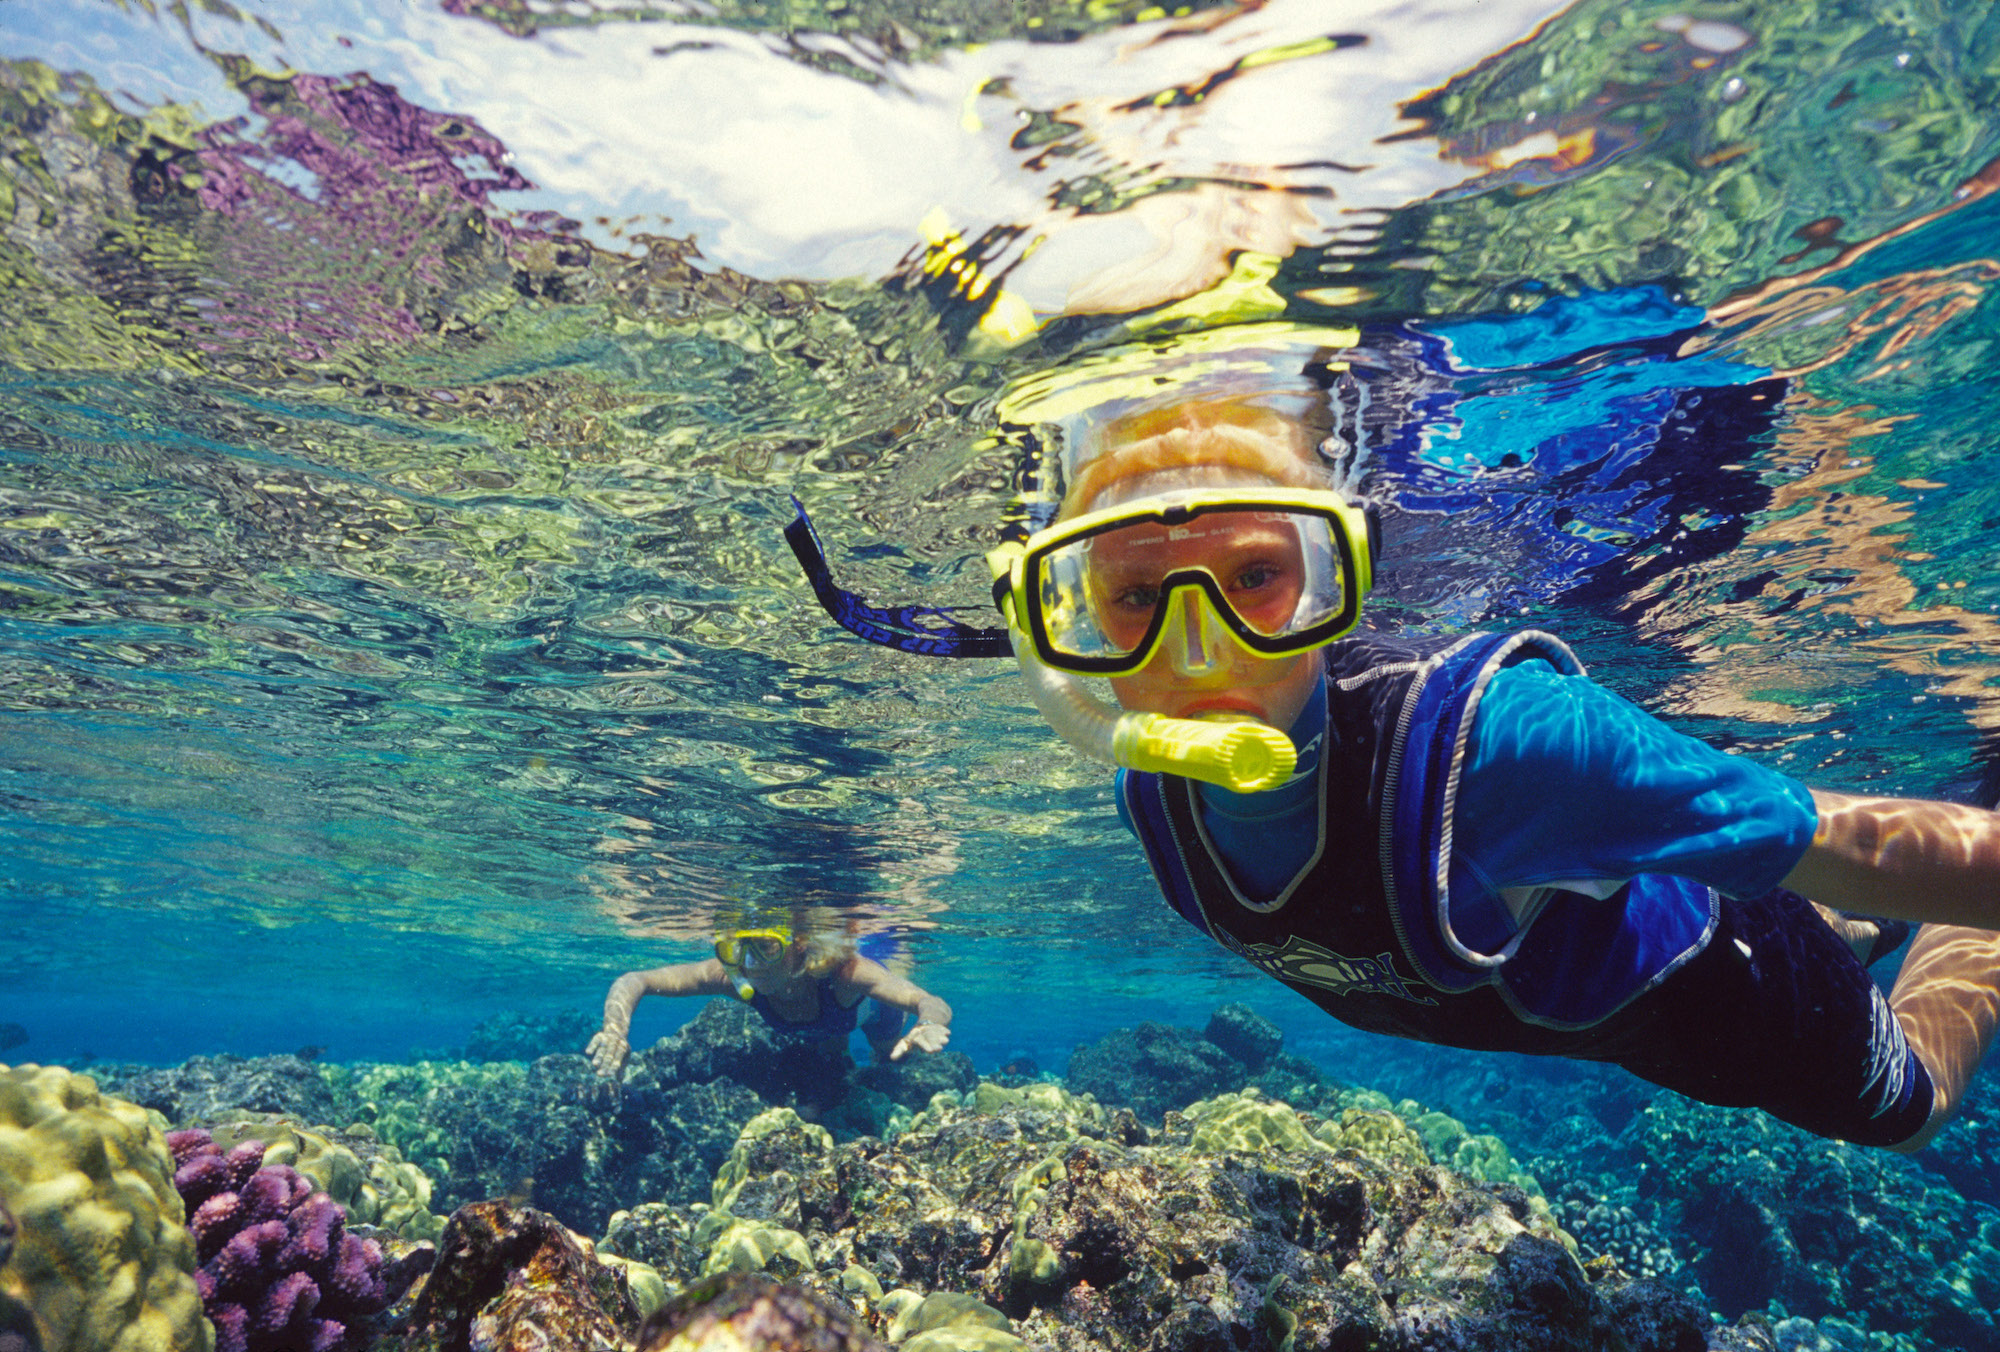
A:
[750,947]
[1284,570]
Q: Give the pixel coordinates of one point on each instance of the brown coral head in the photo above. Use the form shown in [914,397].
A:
[749,1309]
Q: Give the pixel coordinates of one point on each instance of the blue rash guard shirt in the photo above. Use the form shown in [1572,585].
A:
[1565,783]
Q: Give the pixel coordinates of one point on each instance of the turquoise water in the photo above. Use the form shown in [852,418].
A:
[399,406]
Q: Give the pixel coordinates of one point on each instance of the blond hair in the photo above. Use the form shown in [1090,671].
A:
[1224,434]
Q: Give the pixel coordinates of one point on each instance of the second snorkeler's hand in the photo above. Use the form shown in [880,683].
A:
[925,1037]
[607,1051]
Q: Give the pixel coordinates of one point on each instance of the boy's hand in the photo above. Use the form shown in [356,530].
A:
[925,1037]
[607,1051]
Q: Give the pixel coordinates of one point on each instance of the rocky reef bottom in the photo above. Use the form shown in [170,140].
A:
[1177,1190]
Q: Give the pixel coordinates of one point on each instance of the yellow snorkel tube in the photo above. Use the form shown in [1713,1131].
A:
[1231,750]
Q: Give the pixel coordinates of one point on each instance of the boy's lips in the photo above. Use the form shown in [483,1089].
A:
[1223,704]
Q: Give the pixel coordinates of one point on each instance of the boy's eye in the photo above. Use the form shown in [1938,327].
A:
[1257,575]
[1138,598]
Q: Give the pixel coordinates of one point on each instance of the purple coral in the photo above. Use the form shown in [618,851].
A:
[278,1271]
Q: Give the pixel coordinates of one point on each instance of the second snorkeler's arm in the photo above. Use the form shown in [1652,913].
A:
[609,1047]
[933,1026]
[1904,858]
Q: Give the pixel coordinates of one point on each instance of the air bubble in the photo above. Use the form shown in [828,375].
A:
[1711,35]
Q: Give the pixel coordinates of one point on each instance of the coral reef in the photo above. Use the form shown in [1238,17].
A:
[1764,1224]
[371,1180]
[1547,1205]
[527,1037]
[1246,1035]
[205,1086]
[742,1310]
[911,1082]
[554,1134]
[657,1234]
[1235,1225]
[1789,1221]
[100,1261]
[398,1101]
[278,1271]
[1153,1068]
[512,1277]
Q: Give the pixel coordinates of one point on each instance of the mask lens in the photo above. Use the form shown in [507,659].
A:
[739,950]
[1276,569]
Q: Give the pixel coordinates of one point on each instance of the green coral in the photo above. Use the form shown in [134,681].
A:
[1077,1110]
[1441,1133]
[737,1170]
[752,1246]
[1246,1122]
[1377,1133]
[739,1245]
[1030,1261]
[1408,1131]
[647,1287]
[1280,1322]
[952,1322]
[395,1102]
[859,1281]
[102,1261]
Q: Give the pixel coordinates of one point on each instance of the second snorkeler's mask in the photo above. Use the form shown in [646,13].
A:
[738,949]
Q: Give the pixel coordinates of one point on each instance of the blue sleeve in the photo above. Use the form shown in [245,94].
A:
[1565,780]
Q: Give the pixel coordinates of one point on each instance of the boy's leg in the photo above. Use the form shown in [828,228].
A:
[1868,936]
[1947,997]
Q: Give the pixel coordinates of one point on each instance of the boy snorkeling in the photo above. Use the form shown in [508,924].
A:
[1462,839]
[807,987]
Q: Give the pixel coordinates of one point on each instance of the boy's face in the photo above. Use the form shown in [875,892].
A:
[1258,567]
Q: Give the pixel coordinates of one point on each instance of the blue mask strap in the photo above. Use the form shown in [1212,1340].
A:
[928,631]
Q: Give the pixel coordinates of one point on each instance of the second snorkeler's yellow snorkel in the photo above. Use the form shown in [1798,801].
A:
[1232,750]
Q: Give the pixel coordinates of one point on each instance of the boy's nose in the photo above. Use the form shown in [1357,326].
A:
[1196,643]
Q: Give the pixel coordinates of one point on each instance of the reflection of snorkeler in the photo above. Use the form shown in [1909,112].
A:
[1476,845]
[806,987]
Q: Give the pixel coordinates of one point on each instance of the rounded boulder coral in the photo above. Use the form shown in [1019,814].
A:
[278,1271]
[100,1261]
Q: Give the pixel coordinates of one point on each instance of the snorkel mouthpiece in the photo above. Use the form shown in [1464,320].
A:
[1232,750]
[744,990]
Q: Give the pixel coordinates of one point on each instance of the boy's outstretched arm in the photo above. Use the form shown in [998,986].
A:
[1904,858]
[608,1047]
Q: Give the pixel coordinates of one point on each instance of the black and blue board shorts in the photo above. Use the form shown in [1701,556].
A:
[1777,1013]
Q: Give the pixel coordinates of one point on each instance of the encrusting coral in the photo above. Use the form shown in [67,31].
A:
[278,1271]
